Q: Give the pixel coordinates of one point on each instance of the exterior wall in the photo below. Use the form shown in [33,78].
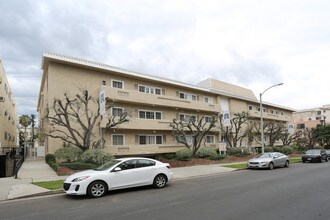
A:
[61,77]
[8,117]
[310,118]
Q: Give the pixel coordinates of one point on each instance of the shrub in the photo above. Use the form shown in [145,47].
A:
[184,154]
[238,152]
[268,149]
[68,153]
[219,157]
[170,156]
[50,158]
[79,166]
[96,156]
[53,165]
[287,150]
[277,149]
[233,151]
[205,152]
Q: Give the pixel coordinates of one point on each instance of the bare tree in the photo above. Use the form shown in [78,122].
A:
[73,120]
[196,129]
[287,138]
[234,133]
[274,130]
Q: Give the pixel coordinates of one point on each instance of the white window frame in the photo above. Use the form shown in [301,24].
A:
[150,89]
[149,138]
[112,108]
[112,138]
[206,118]
[209,99]
[185,116]
[207,141]
[250,107]
[120,81]
[188,96]
[154,112]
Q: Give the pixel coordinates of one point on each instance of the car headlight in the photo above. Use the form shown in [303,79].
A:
[263,162]
[80,178]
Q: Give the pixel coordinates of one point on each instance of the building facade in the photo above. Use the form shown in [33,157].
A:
[310,118]
[152,103]
[8,117]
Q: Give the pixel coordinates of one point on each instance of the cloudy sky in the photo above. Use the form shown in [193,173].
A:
[254,43]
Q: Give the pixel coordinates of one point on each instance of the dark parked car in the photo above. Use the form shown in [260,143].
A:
[315,155]
[328,153]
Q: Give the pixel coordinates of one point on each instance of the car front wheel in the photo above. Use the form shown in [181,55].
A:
[287,164]
[160,181]
[97,189]
[271,166]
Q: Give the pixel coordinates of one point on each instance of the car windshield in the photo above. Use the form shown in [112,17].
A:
[313,152]
[265,155]
[107,165]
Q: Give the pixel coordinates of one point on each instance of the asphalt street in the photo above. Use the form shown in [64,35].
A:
[299,192]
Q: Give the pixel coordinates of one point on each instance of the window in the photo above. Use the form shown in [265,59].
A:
[117,139]
[150,114]
[208,119]
[272,111]
[150,139]
[208,100]
[130,164]
[187,96]
[258,109]
[187,118]
[117,111]
[150,90]
[210,139]
[300,126]
[250,107]
[264,110]
[318,112]
[117,84]
[145,163]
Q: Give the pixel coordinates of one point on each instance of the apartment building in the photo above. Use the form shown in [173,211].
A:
[310,118]
[8,118]
[152,102]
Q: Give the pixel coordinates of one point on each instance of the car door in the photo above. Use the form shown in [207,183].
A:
[146,171]
[126,177]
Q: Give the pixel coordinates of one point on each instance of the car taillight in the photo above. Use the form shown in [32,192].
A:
[168,167]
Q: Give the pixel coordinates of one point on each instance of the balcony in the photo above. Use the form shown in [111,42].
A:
[141,124]
[269,116]
[136,97]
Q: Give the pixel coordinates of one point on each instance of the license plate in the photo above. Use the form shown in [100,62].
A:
[309,158]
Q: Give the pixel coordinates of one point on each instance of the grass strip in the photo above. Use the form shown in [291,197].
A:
[236,166]
[51,185]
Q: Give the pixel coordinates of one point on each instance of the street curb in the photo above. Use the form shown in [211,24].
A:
[51,192]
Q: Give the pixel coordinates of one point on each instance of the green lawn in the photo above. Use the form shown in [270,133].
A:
[295,159]
[51,185]
[237,166]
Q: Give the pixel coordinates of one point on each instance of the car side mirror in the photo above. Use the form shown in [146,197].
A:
[275,157]
[117,169]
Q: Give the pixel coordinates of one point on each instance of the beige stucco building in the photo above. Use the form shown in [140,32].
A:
[152,102]
[310,118]
[8,117]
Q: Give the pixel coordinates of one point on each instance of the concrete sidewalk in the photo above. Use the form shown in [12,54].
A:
[36,170]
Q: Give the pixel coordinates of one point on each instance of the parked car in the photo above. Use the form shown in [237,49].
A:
[269,160]
[315,155]
[118,174]
[328,154]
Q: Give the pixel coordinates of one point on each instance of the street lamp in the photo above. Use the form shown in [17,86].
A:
[261,118]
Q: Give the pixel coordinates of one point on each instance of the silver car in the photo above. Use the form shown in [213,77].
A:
[269,160]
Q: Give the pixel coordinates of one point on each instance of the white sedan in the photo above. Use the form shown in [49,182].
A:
[118,174]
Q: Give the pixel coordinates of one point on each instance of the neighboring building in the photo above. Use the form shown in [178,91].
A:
[310,118]
[153,103]
[8,118]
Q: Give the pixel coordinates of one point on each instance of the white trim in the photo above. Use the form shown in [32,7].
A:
[117,144]
[116,80]
[151,135]
[210,136]
[161,117]
[150,87]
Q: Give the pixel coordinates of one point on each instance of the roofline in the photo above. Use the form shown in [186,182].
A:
[91,64]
